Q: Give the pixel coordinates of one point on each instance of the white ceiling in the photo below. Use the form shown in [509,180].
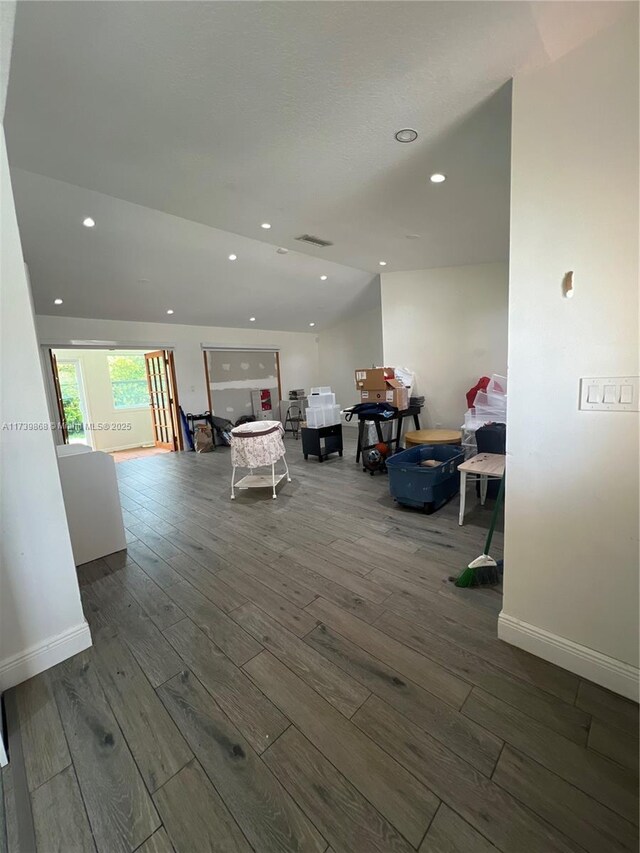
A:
[229,114]
[97,271]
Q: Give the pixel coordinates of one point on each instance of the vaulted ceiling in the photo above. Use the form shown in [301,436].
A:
[182,127]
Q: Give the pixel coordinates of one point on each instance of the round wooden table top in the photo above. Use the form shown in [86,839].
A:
[432,436]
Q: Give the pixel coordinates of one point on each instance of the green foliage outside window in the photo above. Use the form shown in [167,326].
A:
[71,399]
[128,381]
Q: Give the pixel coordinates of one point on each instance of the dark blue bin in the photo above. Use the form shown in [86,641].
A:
[425,488]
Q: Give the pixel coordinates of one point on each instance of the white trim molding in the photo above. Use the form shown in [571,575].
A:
[58,343]
[613,674]
[54,650]
[146,445]
[240,347]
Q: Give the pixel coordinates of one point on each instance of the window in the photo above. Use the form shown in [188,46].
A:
[128,381]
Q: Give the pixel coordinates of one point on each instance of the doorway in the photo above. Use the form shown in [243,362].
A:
[73,398]
[159,388]
[243,382]
[120,401]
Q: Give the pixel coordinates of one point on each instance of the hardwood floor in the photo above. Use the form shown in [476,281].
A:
[299,676]
[136,453]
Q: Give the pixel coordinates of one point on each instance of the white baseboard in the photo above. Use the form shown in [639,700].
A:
[613,674]
[24,665]
[125,447]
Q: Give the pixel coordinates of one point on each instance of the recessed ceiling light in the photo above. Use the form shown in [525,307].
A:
[252,319]
[312,324]
[437,178]
[407,134]
[88,222]
[323,277]
[382,263]
[282,251]
[57,301]
[169,310]
[233,257]
[266,225]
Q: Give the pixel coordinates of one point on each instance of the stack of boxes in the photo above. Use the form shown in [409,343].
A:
[490,406]
[380,385]
[322,410]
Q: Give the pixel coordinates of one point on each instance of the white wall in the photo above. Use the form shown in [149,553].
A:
[353,343]
[449,326]
[571,543]
[41,619]
[99,402]
[298,351]
[7,18]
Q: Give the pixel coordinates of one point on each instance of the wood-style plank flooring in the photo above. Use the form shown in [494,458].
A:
[298,676]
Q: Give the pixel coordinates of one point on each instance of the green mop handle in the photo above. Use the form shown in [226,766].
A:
[494,516]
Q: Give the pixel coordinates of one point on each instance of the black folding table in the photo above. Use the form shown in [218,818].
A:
[398,417]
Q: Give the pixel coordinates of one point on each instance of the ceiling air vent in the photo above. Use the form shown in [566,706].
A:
[315,241]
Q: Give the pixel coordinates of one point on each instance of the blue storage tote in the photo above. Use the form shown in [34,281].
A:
[425,488]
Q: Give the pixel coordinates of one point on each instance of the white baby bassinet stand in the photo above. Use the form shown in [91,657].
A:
[257,445]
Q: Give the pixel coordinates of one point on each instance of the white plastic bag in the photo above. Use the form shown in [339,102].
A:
[371,434]
[406,376]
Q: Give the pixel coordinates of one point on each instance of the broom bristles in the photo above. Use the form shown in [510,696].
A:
[465,578]
[483,571]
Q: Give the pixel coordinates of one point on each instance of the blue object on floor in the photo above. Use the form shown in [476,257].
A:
[185,429]
[425,488]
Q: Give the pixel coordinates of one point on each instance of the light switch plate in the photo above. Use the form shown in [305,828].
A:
[610,394]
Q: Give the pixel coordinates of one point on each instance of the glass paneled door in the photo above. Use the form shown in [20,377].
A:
[161,396]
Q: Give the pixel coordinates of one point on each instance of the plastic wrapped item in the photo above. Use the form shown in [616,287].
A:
[490,406]
[498,384]
[324,399]
[469,443]
[407,377]
[490,400]
[322,410]
[314,417]
[322,416]
[371,434]
[497,401]
[473,421]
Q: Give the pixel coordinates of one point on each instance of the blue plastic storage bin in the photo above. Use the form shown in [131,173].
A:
[425,488]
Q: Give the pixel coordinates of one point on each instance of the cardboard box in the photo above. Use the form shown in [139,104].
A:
[373,378]
[395,394]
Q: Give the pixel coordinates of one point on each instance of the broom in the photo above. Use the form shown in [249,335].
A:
[484,570]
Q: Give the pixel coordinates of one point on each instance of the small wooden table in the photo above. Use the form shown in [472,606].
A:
[484,465]
[432,436]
